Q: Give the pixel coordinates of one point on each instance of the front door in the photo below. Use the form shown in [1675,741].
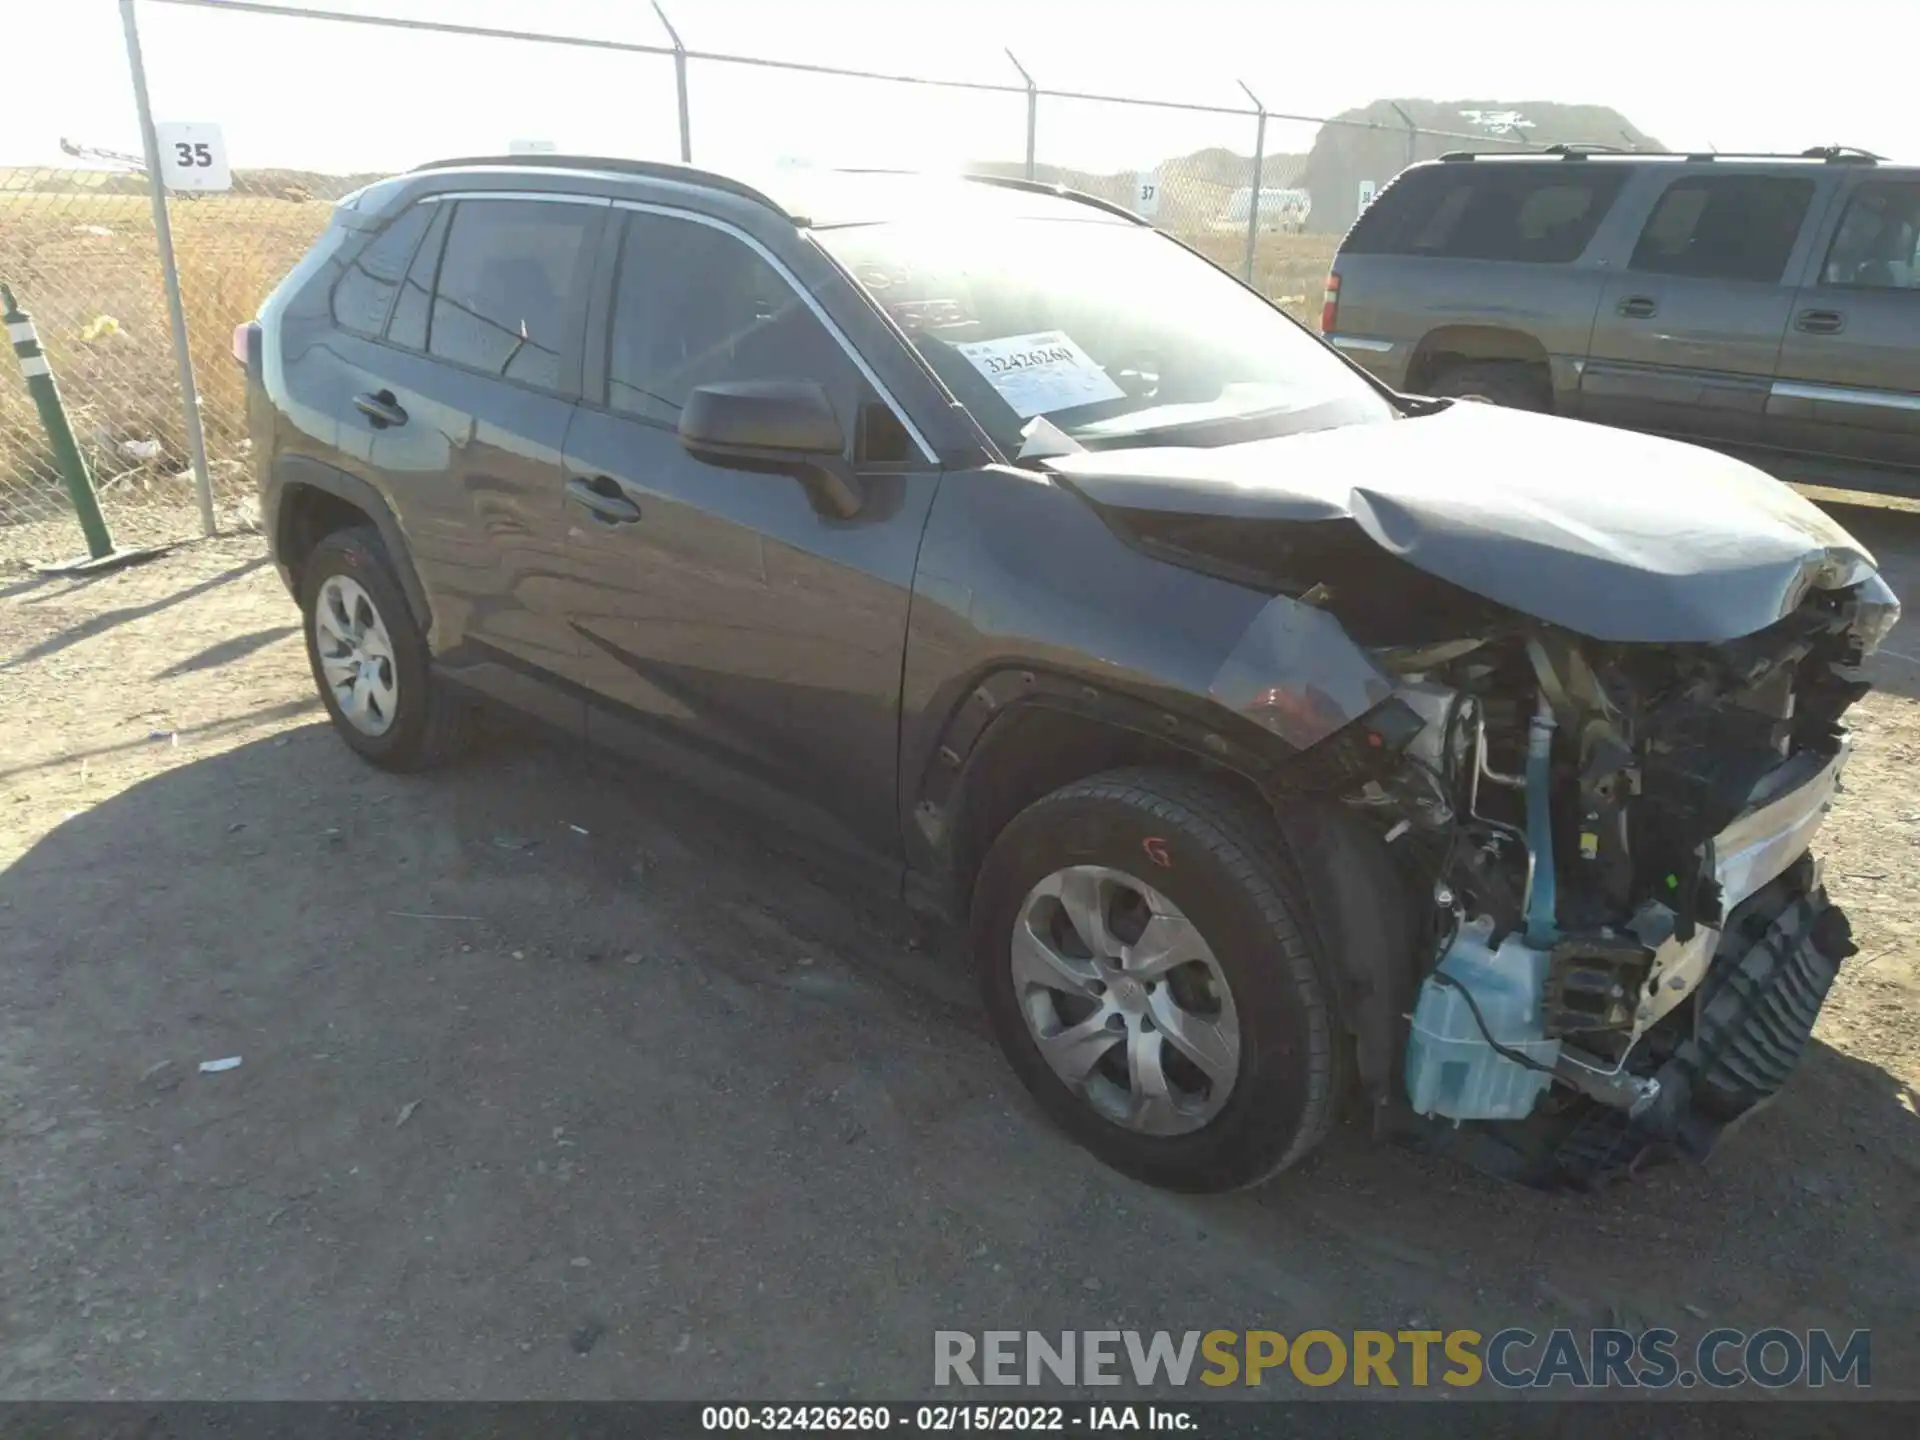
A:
[1686,338]
[1847,401]
[718,612]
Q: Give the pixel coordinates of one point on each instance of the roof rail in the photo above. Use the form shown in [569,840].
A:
[1064,192]
[1832,154]
[647,169]
[1564,150]
[1842,155]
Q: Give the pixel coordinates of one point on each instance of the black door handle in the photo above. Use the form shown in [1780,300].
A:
[381,408]
[601,498]
[1639,307]
[1820,322]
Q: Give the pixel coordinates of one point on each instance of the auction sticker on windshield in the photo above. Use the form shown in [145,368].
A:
[1041,373]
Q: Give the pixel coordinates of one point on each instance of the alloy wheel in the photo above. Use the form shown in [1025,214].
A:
[356,655]
[1125,1000]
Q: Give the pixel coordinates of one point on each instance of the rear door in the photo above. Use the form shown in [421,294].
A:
[464,418]
[1846,404]
[722,617]
[1687,337]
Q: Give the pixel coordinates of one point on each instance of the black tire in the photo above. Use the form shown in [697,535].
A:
[1512,383]
[429,725]
[1228,872]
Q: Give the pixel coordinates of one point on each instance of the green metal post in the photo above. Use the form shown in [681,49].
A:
[53,415]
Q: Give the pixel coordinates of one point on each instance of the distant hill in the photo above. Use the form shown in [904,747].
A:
[1373,145]
[1195,190]
[1345,155]
[296,185]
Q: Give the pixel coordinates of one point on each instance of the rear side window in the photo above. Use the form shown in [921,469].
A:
[408,326]
[1471,211]
[509,279]
[364,295]
[1877,246]
[1726,227]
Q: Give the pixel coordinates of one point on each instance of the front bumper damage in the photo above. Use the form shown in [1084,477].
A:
[1769,974]
[1633,958]
[1574,1056]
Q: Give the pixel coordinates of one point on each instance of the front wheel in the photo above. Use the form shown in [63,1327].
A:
[1148,972]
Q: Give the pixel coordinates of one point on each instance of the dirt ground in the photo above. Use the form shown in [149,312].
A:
[557,1081]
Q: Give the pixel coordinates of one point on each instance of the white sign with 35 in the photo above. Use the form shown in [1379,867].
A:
[193,156]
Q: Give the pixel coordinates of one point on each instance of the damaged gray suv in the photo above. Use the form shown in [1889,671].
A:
[1284,743]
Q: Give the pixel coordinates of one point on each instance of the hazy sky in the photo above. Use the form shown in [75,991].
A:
[315,95]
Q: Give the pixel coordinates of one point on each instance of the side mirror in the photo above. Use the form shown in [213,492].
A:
[784,427]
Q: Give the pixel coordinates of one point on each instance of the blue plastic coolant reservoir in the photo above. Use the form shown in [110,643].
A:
[1451,1070]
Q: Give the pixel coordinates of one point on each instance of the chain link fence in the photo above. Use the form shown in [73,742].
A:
[1264,195]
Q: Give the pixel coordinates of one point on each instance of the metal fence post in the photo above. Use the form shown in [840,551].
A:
[169,272]
[1413,133]
[1033,108]
[679,84]
[1259,175]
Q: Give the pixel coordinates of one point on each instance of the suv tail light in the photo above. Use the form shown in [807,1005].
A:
[246,346]
[1330,304]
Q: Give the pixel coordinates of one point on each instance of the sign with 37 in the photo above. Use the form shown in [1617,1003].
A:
[193,156]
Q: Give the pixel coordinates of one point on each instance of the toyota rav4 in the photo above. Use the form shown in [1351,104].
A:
[1281,740]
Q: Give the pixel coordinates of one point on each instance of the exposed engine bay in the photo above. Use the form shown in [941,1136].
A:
[1627,939]
[1620,939]
[1614,835]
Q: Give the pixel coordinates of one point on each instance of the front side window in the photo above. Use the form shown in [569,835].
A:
[509,279]
[1877,246]
[1726,227]
[365,292]
[695,305]
[1109,332]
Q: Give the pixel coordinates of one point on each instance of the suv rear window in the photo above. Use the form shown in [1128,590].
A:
[1727,227]
[1544,214]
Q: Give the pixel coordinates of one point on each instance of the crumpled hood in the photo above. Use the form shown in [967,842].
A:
[1614,535]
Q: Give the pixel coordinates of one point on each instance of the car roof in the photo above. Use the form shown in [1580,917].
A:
[826,198]
[830,198]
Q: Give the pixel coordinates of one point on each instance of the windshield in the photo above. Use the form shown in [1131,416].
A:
[1107,333]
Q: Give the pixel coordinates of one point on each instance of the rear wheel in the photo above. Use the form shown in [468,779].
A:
[1512,383]
[370,659]
[1146,968]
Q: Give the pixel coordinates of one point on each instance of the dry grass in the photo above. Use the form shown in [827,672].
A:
[1290,269]
[87,269]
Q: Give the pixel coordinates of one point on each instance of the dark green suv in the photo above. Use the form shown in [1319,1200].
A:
[1768,306]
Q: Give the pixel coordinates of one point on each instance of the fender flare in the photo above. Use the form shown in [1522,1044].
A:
[1365,916]
[290,471]
[996,697]
[1360,906]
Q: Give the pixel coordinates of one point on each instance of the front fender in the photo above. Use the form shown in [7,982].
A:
[1024,595]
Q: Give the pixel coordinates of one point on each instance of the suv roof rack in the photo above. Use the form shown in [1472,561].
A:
[1563,150]
[648,169]
[1831,154]
[1843,154]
